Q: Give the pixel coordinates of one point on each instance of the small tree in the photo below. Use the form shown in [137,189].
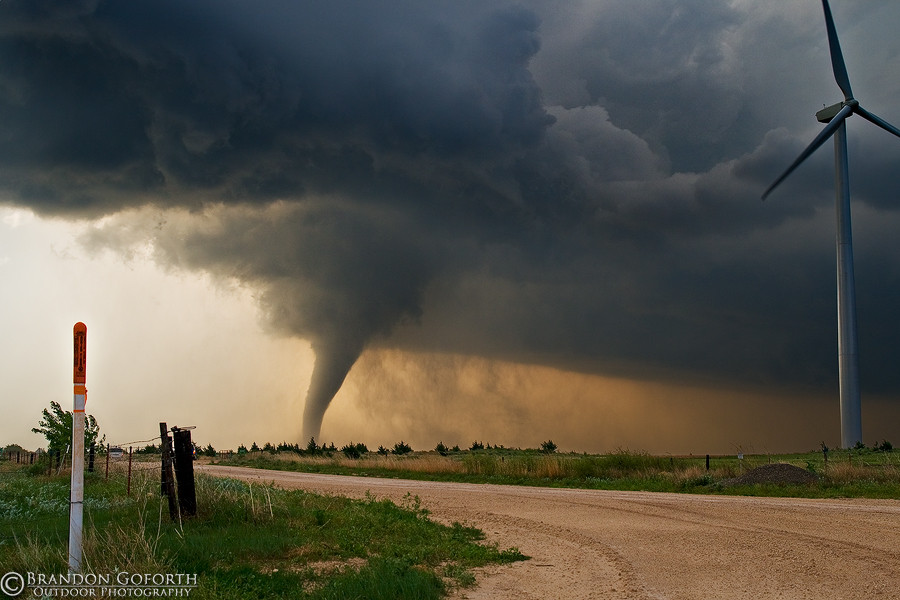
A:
[352,450]
[441,449]
[548,447]
[56,426]
[401,447]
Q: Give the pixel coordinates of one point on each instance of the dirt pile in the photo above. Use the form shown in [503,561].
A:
[781,473]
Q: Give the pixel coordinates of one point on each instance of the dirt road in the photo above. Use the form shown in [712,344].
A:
[636,545]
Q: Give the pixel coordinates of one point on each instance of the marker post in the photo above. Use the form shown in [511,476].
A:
[76,502]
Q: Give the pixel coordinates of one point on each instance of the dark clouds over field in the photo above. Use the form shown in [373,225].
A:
[563,183]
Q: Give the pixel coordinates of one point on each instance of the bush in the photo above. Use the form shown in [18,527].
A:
[383,451]
[477,446]
[441,449]
[352,450]
[401,448]
[884,446]
[548,447]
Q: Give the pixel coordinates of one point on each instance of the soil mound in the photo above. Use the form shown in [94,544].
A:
[776,473]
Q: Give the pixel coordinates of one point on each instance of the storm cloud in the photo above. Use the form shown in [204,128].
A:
[567,184]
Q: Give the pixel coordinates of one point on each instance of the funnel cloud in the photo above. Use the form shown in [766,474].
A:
[567,184]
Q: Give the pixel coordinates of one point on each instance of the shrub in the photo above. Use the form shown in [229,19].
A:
[401,448]
[548,447]
[477,446]
[383,451]
[148,449]
[352,450]
[441,449]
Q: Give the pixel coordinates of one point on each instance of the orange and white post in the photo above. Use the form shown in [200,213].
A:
[76,501]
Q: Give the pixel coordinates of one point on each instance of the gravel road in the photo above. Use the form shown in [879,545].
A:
[635,545]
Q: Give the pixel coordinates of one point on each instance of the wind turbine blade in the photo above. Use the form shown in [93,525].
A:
[837,57]
[826,133]
[876,120]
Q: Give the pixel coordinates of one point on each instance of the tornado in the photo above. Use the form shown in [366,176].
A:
[333,362]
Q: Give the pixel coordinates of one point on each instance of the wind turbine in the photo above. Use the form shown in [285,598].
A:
[834,116]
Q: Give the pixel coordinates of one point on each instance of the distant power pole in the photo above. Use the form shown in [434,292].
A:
[76,498]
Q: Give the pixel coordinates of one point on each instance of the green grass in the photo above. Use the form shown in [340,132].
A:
[247,541]
[860,473]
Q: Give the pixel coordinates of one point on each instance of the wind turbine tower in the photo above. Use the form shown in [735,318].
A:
[835,116]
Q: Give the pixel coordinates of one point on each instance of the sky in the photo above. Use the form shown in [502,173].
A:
[444,221]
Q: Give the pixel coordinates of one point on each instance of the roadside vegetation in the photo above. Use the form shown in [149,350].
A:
[247,541]
[860,472]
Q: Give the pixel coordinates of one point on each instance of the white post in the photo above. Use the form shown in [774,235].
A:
[76,501]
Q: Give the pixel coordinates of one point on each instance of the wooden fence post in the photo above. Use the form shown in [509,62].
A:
[168,479]
[184,471]
[128,492]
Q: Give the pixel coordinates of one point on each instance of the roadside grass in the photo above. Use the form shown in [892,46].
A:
[247,541]
[862,473]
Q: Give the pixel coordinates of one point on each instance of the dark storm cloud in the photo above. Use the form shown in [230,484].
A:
[567,183]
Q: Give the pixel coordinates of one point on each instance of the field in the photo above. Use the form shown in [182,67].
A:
[247,541]
[857,473]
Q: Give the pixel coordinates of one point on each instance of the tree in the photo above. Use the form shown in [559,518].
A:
[401,448]
[56,426]
[548,447]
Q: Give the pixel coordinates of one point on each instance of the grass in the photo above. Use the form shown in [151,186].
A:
[247,541]
[860,473]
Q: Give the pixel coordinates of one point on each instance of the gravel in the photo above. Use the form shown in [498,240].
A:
[779,473]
